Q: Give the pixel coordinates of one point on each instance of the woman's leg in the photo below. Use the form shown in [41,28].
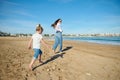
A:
[56,43]
[61,42]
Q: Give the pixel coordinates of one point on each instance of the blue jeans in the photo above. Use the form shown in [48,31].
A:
[37,52]
[58,41]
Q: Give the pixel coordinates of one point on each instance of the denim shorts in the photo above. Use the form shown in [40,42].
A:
[37,52]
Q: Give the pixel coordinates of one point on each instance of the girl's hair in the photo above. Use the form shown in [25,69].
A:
[55,23]
[39,27]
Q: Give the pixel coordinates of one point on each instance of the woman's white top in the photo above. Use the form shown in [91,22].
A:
[58,27]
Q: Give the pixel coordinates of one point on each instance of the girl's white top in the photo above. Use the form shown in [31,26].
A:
[36,40]
[58,27]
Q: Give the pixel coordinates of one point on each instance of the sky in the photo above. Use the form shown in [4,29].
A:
[78,16]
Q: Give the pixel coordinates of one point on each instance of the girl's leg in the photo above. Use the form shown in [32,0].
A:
[36,53]
[56,43]
[61,42]
[39,58]
[31,64]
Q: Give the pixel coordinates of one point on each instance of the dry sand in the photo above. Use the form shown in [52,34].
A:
[79,61]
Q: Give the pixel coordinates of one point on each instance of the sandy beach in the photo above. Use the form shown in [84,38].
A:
[79,61]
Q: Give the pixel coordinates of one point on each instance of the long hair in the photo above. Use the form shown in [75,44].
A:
[55,23]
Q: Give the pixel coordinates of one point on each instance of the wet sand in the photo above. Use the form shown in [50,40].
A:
[79,61]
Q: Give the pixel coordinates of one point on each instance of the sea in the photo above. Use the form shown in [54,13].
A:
[101,40]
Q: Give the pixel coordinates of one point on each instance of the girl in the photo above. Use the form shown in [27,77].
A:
[36,41]
[58,35]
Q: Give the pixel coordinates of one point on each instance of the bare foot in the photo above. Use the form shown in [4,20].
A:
[40,61]
[30,68]
[54,51]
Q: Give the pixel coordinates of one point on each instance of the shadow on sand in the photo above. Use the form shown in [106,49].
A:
[54,57]
[67,48]
[51,59]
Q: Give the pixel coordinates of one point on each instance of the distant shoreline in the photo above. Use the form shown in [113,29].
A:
[99,40]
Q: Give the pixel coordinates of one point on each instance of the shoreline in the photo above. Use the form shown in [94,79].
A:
[101,43]
[99,40]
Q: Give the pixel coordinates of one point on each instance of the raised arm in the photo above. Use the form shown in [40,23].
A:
[30,43]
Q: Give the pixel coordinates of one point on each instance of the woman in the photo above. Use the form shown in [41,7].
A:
[58,35]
